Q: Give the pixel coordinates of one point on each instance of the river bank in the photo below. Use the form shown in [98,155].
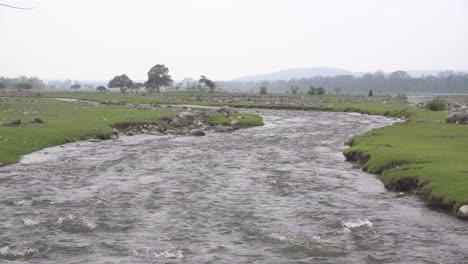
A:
[31,124]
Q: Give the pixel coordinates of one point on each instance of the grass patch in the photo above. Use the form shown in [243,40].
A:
[67,122]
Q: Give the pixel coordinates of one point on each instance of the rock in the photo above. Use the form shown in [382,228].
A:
[439,122]
[457,118]
[223,129]
[175,122]
[196,132]
[355,167]
[37,120]
[1,164]
[225,110]
[15,122]
[463,212]
[94,140]
[187,117]
[423,121]
[235,124]
[400,194]
[5,171]
[170,132]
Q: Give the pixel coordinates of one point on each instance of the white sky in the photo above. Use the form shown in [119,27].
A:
[224,39]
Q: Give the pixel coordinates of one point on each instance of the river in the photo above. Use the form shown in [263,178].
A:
[281,193]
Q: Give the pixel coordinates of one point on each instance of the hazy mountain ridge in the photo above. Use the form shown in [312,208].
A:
[304,73]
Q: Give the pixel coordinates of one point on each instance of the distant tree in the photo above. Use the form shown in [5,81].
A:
[209,84]
[312,91]
[371,93]
[23,86]
[294,89]
[136,86]
[101,88]
[122,82]
[264,88]
[158,77]
[338,90]
[2,86]
[75,87]
[320,91]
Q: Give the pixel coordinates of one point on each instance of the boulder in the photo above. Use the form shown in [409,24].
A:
[225,110]
[235,124]
[400,194]
[196,132]
[223,129]
[187,117]
[457,118]
[170,132]
[175,122]
[37,120]
[15,122]
[463,212]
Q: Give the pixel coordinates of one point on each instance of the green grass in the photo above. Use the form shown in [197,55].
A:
[68,122]
[430,157]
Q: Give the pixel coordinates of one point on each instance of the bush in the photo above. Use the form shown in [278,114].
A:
[436,104]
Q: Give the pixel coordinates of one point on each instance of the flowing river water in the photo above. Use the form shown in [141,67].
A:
[281,193]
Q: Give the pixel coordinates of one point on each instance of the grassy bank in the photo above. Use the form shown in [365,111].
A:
[430,158]
[67,122]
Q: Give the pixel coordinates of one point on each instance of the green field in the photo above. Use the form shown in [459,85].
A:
[67,122]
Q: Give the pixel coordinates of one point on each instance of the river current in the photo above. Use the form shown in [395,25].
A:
[281,193]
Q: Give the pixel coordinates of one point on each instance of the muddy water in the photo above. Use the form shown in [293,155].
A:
[281,193]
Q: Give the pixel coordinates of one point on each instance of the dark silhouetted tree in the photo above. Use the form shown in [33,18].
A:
[2,86]
[75,87]
[136,86]
[122,82]
[209,84]
[101,88]
[264,88]
[320,91]
[23,86]
[158,77]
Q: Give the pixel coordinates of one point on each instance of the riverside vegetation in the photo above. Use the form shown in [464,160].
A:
[423,154]
[31,124]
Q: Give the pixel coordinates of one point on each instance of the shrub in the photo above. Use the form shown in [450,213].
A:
[436,104]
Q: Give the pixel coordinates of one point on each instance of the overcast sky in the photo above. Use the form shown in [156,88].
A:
[224,39]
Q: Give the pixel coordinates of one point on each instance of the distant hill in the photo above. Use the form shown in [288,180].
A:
[300,73]
[297,73]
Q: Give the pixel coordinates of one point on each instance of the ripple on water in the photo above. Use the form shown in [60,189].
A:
[16,253]
[148,253]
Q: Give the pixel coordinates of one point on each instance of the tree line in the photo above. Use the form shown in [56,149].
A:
[21,83]
[395,82]
[158,79]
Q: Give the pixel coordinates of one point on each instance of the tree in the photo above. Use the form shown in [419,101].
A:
[294,89]
[158,77]
[23,86]
[136,86]
[371,93]
[122,82]
[205,82]
[312,91]
[75,87]
[101,88]
[2,86]
[320,91]
[338,90]
[264,88]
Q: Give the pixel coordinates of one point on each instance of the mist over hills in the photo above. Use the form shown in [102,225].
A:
[304,73]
